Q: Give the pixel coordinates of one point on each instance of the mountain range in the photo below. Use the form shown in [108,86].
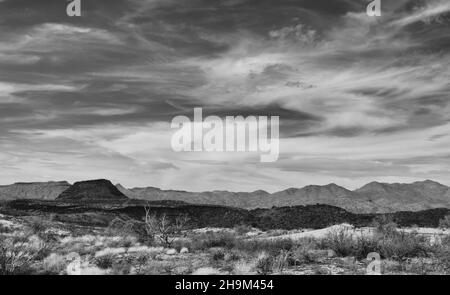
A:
[33,190]
[374,197]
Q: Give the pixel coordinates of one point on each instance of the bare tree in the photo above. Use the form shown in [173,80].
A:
[162,227]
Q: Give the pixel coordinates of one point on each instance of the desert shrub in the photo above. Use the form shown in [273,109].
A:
[398,245]
[445,241]
[402,245]
[299,256]
[16,255]
[4,229]
[389,243]
[242,229]
[273,247]
[281,261]
[264,264]
[181,243]
[105,261]
[443,256]
[321,270]
[214,239]
[140,262]
[126,243]
[128,228]
[45,249]
[122,267]
[218,255]
[384,225]
[233,255]
[38,226]
[340,241]
[445,222]
[54,264]
[243,267]
[301,253]
[364,246]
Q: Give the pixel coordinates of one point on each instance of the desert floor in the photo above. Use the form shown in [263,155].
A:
[39,245]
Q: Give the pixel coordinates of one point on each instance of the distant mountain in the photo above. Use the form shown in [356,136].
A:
[371,198]
[33,190]
[330,194]
[414,196]
[100,189]
[374,197]
[224,198]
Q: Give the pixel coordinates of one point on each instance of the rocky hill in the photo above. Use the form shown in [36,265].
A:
[100,189]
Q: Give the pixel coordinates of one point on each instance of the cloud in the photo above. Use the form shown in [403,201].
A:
[92,97]
[432,11]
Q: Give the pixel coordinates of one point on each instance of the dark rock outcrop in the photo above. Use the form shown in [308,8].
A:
[100,189]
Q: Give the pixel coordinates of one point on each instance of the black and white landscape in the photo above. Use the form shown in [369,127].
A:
[90,182]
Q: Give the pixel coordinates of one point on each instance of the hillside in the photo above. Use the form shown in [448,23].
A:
[33,190]
[407,197]
[372,198]
[101,213]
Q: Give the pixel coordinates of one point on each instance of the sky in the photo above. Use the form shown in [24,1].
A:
[359,98]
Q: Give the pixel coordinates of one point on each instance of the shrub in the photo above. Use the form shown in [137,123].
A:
[218,255]
[443,257]
[445,241]
[16,255]
[445,222]
[242,229]
[181,243]
[364,246]
[4,229]
[214,239]
[384,225]
[233,255]
[264,264]
[105,261]
[340,241]
[122,267]
[402,245]
[141,262]
[44,251]
[273,247]
[54,264]
[387,242]
[128,228]
[300,255]
[321,270]
[281,261]
[38,226]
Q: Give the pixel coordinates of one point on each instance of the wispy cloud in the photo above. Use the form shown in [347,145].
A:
[359,98]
